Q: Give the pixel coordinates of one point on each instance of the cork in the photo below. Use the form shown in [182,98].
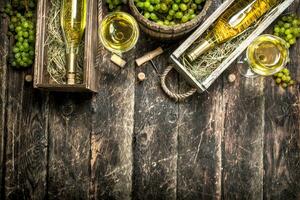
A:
[118,60]
[141,76]
[231,78]
[149,56]
[28,78]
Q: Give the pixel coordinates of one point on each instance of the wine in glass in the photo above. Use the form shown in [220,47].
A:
[265,56]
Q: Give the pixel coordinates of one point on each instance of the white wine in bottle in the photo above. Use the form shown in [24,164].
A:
[235,20]
[73,20]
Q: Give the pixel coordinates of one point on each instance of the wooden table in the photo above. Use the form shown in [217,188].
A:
[240,140]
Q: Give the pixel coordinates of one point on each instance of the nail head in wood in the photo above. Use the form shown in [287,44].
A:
[118,60]
[28,78]
[149,56]
[141,76]
[231,78]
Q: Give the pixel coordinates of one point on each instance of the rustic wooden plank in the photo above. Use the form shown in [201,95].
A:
[3,98]
[201,126]
[26,139]
[242,176]
[26,146]
[26,156]
[113,111]
[155,132]
[282,139]
[69,146]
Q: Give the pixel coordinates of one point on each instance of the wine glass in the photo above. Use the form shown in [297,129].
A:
[119,32]
[265,56]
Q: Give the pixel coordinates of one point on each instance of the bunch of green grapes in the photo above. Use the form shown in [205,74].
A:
[22,27]
[169,12]
[283,78]
[114,5]
[288,28]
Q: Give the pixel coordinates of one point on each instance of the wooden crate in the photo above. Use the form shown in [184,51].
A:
[41,76]
[202,86]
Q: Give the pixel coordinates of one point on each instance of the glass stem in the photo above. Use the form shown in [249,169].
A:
[245,70]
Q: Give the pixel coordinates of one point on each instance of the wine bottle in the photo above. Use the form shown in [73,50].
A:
[73,20]
[234,21]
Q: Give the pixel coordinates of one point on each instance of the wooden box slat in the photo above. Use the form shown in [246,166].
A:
[204,85]
[41,76]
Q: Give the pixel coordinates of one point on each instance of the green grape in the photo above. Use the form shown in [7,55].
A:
[283,78]
[153,16]
[280,74]
[167,22]
[192,16]
[169,17]
[14,64]
[292,41]
[25,34]
[284,85]
[194,6]
[287,25]
[140,4]
[160,22]
[165,12]
[150,8]
[15,49]
[163,7]
[147,15]
[185,18]
[288,31]
[147,4]
[17,55]
[183,7]
[292,82]
[278,80]
[157,7]
[22,25]
[18,28]
[25,24]
[20,33]
[171,12]
[175,7]
[290,36]
[25,45]
[191,11]
[285,71]
[179,15]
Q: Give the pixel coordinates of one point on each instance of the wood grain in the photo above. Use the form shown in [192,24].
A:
[282,139]
[111,139]
[155,131]
[26,139]
[239,140]
[199,145]
[26,152]
[69,146]
[242,176]
[3,98]
[201,126]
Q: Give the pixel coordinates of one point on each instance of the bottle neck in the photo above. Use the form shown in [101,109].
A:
[204,46]
[71,64]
